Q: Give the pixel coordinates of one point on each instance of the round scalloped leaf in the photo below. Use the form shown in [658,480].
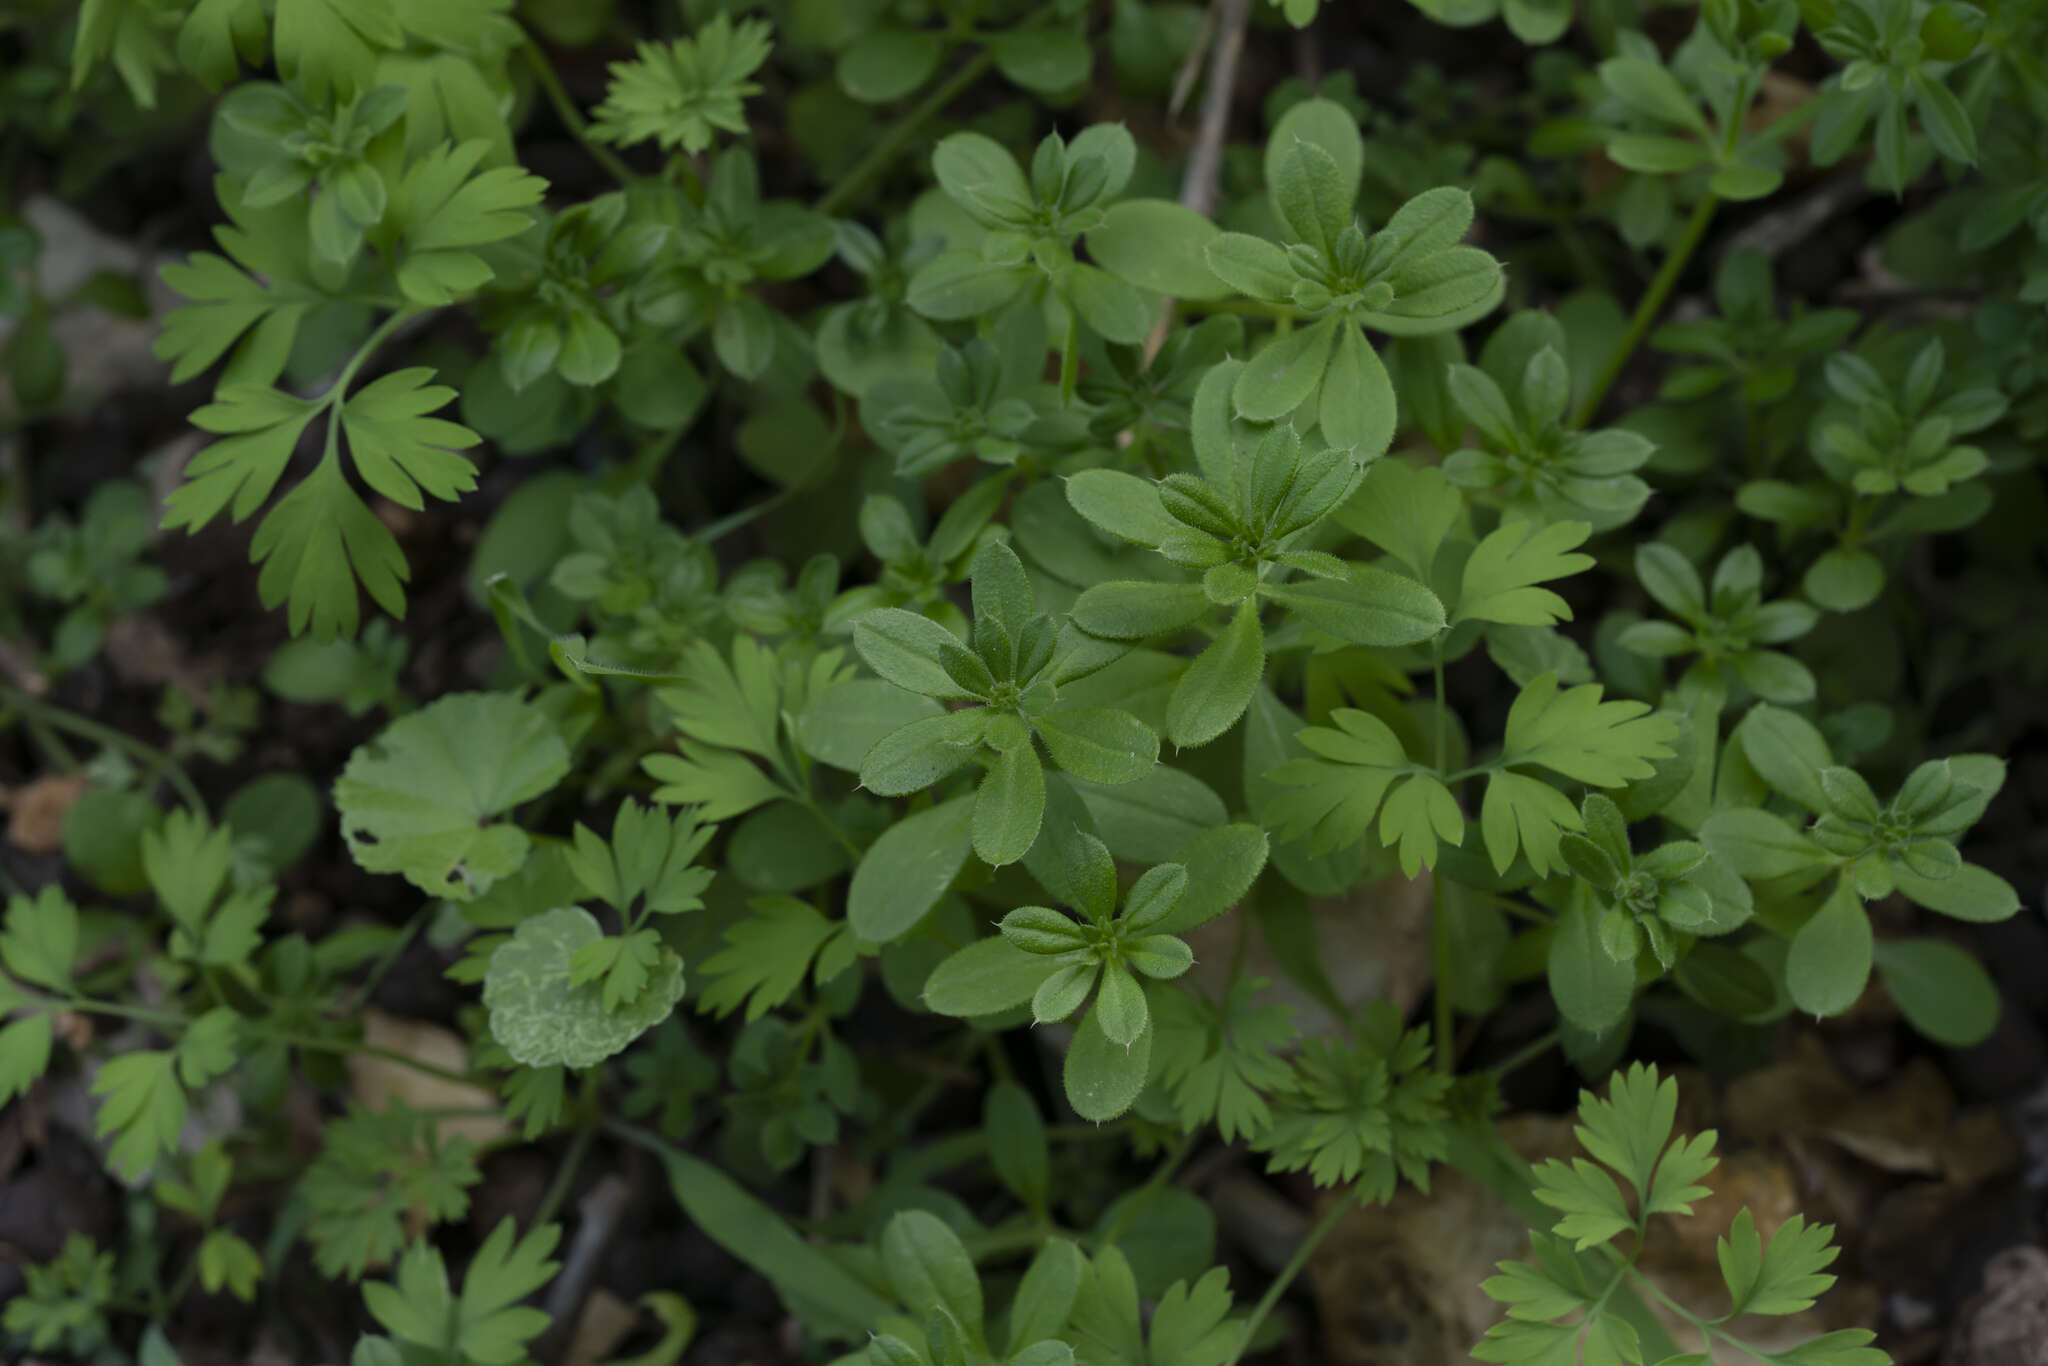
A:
[542,1020]
[418,799]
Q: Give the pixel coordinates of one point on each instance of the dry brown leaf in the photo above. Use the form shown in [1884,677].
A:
[1979,1145]
[1795,1096]
[35,824]
[1374,943]
[1398,1285]
[1902,1127]
[374,1080]
[606,1321]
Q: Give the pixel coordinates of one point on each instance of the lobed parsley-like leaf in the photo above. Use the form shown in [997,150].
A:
[379,1175]
[188,865]
[40,941]
[1220,1061]
[720,783]
[260,428]
[485,1323]
[1499,578]
[1367,1111]
[1591,1204]
[316,545]
[24,1049]
[651,855]
[142,1108]
[1628,1131]
[733,705]
[766,954]
[1783,1278]
[252,300]
[64,1301]
[227,1262]
[143,1102]
[1548,1286]
[398,450]
[1574,733]
[332,45]
[1331,799]
[536,1098]
[625,964]
[443,206]
[679,93]
[1418,813]
[1526,814]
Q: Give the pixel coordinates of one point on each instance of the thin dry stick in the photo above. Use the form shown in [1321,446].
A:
[1205,159]
[600,1215]
[1205,162]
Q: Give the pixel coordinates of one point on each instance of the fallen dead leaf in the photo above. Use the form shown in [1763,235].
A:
[1900,1128]
[1372,943]
[74,1028]
[35,823]
[1398,1285]
[606,1321]
[1794,1096]
[375,1081]
[1979,1145]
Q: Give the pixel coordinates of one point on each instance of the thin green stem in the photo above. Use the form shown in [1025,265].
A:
[1436,668]
[1526,1054]
[1443,1010]
[572,117]
[1322,1229]
[1861,505]
[1163,1173]
[1788,123]
[1443,1013]
[389,958]
[378,336]
[1005,1242]
[1708,1327]
[168,1019]
[565,1174]
[998,1060]
[899,134]
[647,462]
[1512,907]
[51,744]
[337,393]
[725,526]
[1251,308]
[1650,307]
[1070,357]
[36,712]
[182,1286]
[312,1043]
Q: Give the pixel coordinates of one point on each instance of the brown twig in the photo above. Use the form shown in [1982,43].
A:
[1227,20]
[600,1213]
[1205,161]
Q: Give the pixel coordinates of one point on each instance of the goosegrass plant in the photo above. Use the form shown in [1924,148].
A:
[1125,578]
